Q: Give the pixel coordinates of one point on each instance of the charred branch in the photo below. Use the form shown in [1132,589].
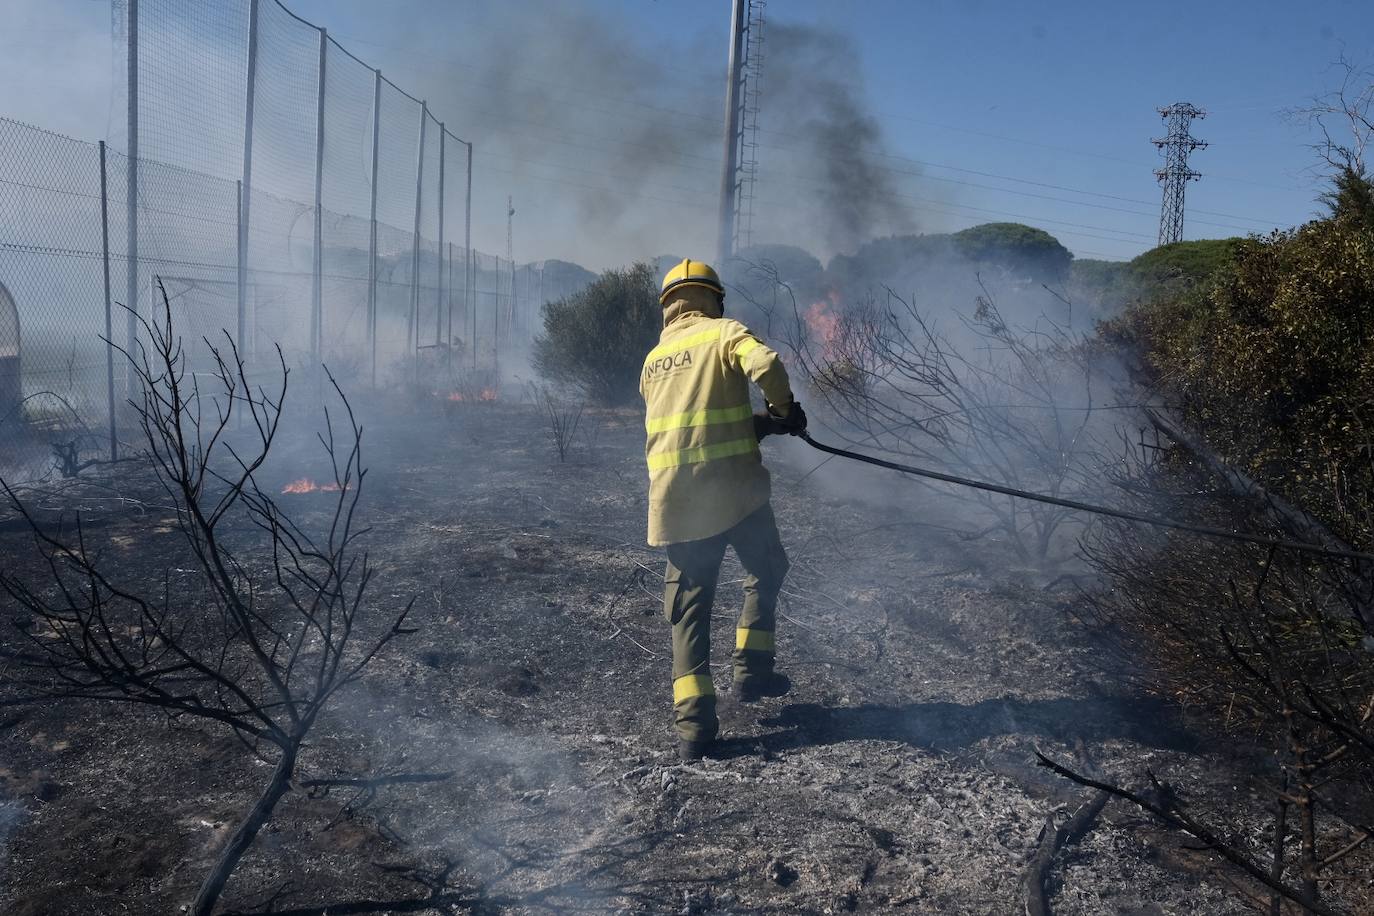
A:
[1053,841]
[1281,510]
[1167,807]
[275,636]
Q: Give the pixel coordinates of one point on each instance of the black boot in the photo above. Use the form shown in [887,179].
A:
[757,686]
[691,751]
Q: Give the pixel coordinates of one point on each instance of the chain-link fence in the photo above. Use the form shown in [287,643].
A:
[283,192]
[54,367]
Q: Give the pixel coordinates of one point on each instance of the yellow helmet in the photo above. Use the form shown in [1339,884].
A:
[690,273]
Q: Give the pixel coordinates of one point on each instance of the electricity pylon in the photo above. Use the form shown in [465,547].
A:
[1176,174]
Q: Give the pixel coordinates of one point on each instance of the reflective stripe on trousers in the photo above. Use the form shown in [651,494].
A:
[688,596]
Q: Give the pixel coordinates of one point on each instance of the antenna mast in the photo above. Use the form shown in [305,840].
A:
[729,179]
[741,126]
[749,124]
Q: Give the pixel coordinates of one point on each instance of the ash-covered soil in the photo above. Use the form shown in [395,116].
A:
[523,734]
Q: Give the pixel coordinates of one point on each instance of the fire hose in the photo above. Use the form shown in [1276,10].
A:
[1140,518]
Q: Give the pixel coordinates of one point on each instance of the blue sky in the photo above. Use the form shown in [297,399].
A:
[1039,112]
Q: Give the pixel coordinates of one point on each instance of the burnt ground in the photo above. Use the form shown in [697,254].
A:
[529,717]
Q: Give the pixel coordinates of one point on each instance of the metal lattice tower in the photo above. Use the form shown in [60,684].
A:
[751,76]
[740,164]
[1176,174]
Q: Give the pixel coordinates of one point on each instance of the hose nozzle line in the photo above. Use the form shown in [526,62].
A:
[1155,520]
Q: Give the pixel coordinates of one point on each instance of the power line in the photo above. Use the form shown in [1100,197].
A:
[553,137]
[940,208]
[776,204]
[714,164]
[1027,181]
[712,120]
[797,179]
[1133,163]
[697,204]
[1078,203]
[677,112]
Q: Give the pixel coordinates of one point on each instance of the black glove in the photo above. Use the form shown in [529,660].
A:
[794,423]
[765,424]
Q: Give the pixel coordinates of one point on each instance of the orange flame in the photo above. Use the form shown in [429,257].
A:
[306,485]
[823,323]
[486,394]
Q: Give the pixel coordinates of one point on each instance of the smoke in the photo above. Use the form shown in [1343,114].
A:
[969,366]
[609,137]
[521,812]
[828,144]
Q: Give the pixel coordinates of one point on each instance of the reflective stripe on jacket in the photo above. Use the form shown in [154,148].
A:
[705,470]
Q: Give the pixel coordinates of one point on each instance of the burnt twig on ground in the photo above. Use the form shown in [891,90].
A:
[1053,840]
[1170,810]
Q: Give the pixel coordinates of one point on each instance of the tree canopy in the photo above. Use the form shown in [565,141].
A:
[1017,248]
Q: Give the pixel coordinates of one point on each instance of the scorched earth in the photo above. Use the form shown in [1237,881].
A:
[515,755]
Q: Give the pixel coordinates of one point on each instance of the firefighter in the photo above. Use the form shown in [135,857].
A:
[708,489]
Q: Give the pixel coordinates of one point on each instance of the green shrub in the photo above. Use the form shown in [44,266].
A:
[1273,361]
[1270,359]
[595,340]
[1105,288]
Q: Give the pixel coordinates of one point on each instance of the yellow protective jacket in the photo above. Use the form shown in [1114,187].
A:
[705,470]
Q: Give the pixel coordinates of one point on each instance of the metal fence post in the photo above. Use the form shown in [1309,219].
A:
[317,267]
[539,299]
[469,282]
[241,278]
[246,190]
[439,282]
[131,267]
[372,233]
[109,317]
[414,323]
[496,323]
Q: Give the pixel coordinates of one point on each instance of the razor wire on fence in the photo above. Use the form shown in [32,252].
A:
[285,193]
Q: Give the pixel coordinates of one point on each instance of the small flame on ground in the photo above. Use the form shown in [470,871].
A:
[306,485]
[486,394]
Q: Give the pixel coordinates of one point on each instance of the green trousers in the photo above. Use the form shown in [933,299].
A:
[689,591]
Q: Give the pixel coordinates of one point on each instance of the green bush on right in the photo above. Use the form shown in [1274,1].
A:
[1272,360]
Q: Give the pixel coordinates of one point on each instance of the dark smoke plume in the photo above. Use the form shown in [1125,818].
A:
[596,129]
[610,139]
[812,103]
